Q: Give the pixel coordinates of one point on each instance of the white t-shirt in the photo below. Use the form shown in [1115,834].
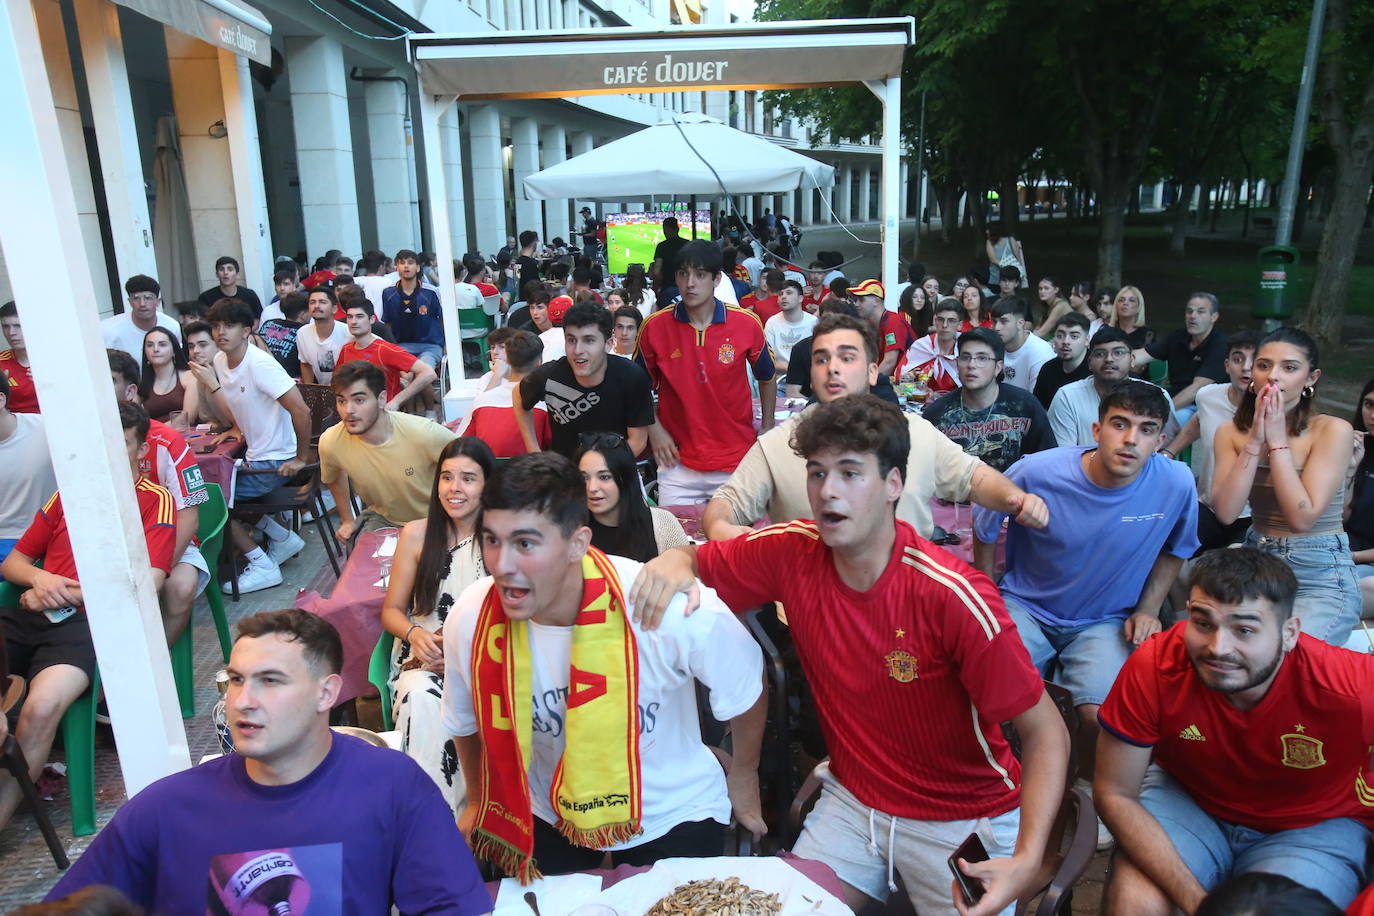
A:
[372,288]
[252,390]
[647,301]
[753,264]
[1214,409]
[1023,367]
[271,311]
[121,333]
[28,480]
[1074,411]
[682,780]
[783,335]
[555,344]
[321,355]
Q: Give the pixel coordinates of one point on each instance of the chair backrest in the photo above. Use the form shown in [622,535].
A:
[214,512]
[323,412]
[492,305]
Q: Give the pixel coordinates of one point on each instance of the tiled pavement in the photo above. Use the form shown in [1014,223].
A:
[27,871]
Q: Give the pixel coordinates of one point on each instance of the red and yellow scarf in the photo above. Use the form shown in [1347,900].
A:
[596,787]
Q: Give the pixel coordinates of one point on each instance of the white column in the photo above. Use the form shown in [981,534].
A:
[582,142]
[245,159]
[806,214]
[198,101]
[450,141]
[889,92]
[904,195]
[53,39]
[554,149]
[112,112]
[324,144]
[865,194]
[389,143]
[488,178]
[844,182]
[525,158]
[430,110]
[83,429]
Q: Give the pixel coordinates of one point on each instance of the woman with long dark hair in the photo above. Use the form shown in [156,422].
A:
[622,523]
[1359,496]
[977,311]
[637,292]
[1056,306]
[1290,463]
[436,558]
[166,374]
[916,308]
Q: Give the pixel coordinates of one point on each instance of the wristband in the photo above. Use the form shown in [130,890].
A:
[1169,453]
[213,390]
[406,638]
[1278,448]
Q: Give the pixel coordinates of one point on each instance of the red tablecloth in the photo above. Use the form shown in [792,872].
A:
[217,465]
[958,519]
[787,406]
[354,607]
[819,872]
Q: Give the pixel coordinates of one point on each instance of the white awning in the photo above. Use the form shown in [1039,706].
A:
[660,161]
[233,26]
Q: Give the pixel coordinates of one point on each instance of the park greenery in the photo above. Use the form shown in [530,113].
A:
[1102,96]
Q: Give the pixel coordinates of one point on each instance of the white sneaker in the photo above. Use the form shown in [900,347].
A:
[255,579]
[285,549]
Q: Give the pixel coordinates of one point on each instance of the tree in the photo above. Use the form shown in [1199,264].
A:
[1346,107]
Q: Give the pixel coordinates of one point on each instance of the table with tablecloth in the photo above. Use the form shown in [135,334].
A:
[354,607]
[217,465]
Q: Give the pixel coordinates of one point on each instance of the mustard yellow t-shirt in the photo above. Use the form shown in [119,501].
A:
[393,479]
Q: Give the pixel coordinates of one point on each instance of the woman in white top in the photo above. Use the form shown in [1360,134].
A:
[436,558]
[1004,251]
[1290,464]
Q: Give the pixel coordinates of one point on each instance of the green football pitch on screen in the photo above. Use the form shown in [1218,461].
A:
[631,244]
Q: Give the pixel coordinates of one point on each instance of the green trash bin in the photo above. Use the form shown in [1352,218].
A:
[1272,301]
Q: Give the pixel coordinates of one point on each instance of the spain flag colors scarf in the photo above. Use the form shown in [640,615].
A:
[596,786]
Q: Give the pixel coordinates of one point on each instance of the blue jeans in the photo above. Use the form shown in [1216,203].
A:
[1328,602]
[1088,656]
[1331,857]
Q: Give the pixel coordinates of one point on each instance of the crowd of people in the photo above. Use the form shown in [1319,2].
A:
[1185,552]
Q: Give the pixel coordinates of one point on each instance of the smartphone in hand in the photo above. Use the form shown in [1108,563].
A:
[971,850]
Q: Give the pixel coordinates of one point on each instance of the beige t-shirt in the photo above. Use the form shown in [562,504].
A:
[392,479]
[772,478]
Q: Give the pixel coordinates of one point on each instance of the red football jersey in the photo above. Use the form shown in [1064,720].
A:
[894,334]
[1301,756]
[171,464]
[704,400]
[388,357]
[47,537]
[23,397]
[912,678]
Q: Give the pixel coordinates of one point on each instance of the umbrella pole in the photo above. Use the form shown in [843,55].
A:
[692,213]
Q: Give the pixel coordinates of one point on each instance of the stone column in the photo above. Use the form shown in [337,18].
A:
[451,145]
[488,178]
[865,194]
[582,142]
[392,178]
[844,181]
[806,213]
[324,144]
[554,149]
[525,140]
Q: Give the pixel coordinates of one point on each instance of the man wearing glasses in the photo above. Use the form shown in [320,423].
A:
[1074,408]
[933,355]
[125,332]
[995,422]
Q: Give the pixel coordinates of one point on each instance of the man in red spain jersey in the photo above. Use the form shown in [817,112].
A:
[1259,738]
[47,637]
[699,354]
[914,664]
[14,359]
[388,357]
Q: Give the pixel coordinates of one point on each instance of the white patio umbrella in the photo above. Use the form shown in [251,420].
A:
[666,160]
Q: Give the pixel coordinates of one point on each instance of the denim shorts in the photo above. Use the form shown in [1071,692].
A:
[1328,602]
[1083,660]
[429,354]
[1332,857]
[251,486]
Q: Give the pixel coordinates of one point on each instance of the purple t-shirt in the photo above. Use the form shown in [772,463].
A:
[366,830]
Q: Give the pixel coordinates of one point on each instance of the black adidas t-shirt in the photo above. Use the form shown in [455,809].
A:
[624,399]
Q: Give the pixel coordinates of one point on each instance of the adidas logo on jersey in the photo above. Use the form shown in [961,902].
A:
[1192,733]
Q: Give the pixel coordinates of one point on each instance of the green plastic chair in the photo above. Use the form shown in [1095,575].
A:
[214,515]
[1159,372]
[474,325]
[379,675]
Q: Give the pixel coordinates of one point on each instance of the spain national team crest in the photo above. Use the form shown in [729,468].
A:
[424,310]
[1302,752]
[901,666]
[726,353]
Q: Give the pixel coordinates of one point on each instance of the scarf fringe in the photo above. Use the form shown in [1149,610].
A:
[599,837]
[504,856]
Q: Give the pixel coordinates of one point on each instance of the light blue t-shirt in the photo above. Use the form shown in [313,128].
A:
[1092,561]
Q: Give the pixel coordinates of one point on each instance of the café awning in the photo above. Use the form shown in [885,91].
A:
[236,27]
